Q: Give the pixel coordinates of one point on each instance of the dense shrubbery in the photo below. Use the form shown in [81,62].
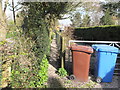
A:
[31,44]
[27,69]
[29,53]
[107,33]
[5,62]
[22,65]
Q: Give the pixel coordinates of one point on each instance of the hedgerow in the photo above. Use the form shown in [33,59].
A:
[32,47]
[107,33]
[28,70]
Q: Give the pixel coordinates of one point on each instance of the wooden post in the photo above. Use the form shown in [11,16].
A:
[63,53]
[62,60]
[61,64]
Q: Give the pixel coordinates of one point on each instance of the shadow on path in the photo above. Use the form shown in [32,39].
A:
[54,83]
[54,57]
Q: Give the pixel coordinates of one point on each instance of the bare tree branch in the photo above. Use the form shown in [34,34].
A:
[18,9]
[6,4]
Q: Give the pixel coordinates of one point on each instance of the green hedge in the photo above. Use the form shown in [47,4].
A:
[31,70]
[106,33]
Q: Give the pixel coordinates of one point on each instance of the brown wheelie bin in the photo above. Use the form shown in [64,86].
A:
[81,61]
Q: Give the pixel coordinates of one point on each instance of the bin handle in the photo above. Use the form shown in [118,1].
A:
[81,51]
[107,51]
[110,52]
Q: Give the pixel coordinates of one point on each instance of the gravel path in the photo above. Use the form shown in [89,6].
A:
[55,81]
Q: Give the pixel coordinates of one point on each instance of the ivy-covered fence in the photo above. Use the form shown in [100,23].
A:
[102,33]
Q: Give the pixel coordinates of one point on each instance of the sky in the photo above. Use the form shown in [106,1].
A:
[8,12]
[65,22]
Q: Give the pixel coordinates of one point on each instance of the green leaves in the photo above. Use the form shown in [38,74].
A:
[3,42]
[107,19]
[43,71]
[112,6]
[62,72]
[32,63]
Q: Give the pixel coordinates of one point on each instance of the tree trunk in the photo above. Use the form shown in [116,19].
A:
[2,24]
[13,12]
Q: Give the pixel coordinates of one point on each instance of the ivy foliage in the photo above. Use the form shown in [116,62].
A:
[29,69]
[62,72]
[37,23]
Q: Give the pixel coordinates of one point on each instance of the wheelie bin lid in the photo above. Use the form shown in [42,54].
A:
[82,48]
[105,48]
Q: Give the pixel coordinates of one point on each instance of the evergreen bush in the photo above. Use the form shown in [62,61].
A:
[102,33]
[29,69]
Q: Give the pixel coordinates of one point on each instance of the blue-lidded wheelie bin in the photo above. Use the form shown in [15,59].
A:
[105,62]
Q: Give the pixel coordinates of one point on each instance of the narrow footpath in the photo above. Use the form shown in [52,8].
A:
[54,80]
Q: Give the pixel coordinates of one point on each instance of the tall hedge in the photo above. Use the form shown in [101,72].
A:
[102,33]
[30,71]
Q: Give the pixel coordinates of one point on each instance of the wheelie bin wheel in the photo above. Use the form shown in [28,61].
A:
[98,79]
[72,77]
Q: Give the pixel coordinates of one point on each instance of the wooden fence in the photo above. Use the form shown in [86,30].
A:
[60,41]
